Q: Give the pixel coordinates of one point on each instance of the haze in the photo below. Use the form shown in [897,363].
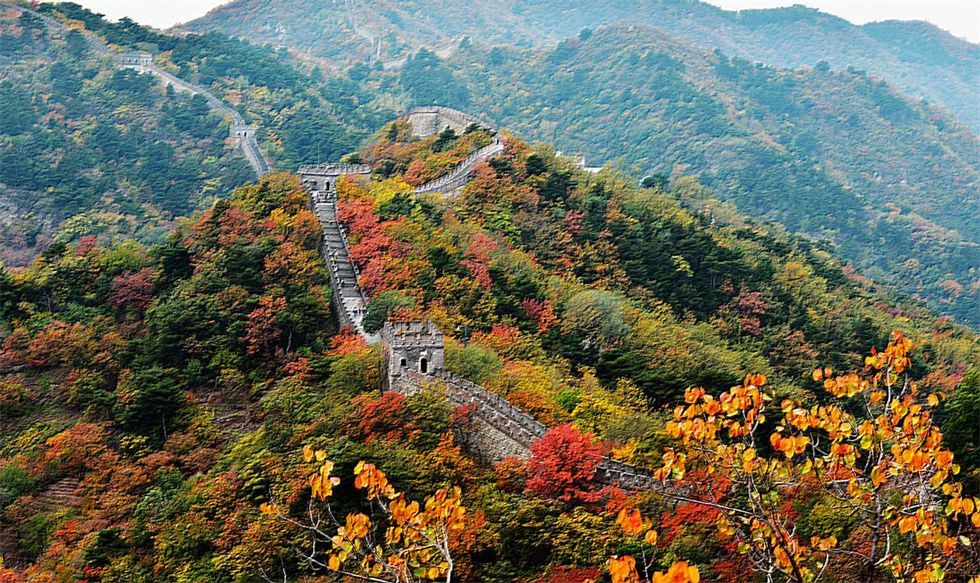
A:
[960,17]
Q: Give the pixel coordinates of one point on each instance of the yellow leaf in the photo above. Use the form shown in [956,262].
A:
[321,455]
[650,537]
[307,453]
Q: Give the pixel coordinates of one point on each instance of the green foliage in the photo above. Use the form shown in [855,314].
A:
[382,306]
[962,426]
[430,82]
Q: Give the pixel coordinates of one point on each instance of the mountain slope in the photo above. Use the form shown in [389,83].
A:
[154,401]
[838,155]
[914,56]
[81,138]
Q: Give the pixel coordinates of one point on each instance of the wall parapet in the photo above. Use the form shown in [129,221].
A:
[428,120]
[460,175]
[524,429]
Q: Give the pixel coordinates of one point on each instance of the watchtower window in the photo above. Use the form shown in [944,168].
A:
[404,363]
[424,366]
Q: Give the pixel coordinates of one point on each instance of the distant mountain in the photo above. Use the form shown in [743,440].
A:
[914,56]
[108,151]
[895,183]
[98,149]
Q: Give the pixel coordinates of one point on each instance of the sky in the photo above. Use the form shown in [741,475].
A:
[960,17]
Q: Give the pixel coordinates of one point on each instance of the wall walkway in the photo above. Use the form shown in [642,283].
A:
[249,145]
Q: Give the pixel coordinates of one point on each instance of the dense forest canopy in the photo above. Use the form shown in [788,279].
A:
[155,399]
[179,403]
[841,156]
[105,148]
[917,57]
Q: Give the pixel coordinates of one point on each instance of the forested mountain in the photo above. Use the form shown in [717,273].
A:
[114,152]
[895,183]
[103,147]
[914,56]
[155,402]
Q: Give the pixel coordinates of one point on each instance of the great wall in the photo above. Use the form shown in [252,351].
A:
[243,133]
[414,352]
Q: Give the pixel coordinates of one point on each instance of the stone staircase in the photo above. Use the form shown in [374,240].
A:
[460,175]
[59,495]
[350,300]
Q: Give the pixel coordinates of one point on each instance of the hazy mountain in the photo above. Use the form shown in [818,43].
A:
[839,155]
[914,56]
[104,149]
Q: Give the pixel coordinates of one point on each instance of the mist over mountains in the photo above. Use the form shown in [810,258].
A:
[916,57]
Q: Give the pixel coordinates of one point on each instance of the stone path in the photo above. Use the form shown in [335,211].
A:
[249,145]
[350,298]
[460,175]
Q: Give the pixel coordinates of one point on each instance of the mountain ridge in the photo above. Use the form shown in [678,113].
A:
[785,37]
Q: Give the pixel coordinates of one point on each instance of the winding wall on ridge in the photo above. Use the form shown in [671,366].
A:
[500,429]
[143,62]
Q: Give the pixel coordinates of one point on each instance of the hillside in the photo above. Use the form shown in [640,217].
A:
[108,151]
[156,401]
[894,183]
[916,57]
[123,154]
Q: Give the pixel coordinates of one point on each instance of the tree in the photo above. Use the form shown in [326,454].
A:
[962,428]
[562,466]
[874,455]
[415,546]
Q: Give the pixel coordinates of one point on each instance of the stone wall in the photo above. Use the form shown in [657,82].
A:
[460,175]
[432,120]
[323,177]
[502,429]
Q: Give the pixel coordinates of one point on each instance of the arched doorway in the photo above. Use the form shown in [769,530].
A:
[424,365]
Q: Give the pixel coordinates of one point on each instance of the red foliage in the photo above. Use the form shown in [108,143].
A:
[263,329]
[574,221]
[563,466]
[563,574]
[86,245]
[479,271]
[385,418]
[346,342]
[541,312]
[132,289]
[75,449]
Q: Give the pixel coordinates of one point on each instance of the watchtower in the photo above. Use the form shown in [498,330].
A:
[432,120]
[323,177]
[412,346]
[241,131]
[137,61]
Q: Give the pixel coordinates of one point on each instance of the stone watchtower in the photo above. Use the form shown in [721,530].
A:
[323,177]
[241,131]
[413,346]
[138,61]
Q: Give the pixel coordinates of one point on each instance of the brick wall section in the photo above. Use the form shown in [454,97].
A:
[460,175]
[503,429]
[432,120]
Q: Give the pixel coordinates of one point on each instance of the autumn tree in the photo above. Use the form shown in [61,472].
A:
[401,540]
[562,466]
[873,454]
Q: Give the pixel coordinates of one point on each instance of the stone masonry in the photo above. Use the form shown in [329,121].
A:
[432,120]
[410,347]
[414,352]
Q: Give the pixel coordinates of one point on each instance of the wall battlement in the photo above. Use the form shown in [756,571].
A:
[414,352]
[433,119]
[323,177]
